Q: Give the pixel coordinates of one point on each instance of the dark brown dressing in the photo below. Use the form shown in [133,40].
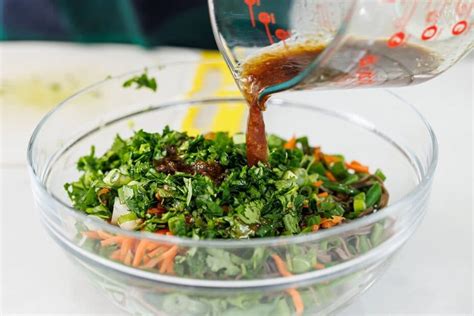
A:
[380,65]
[263,71]
[172,163]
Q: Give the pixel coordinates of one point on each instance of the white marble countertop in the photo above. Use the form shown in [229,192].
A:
[432,273]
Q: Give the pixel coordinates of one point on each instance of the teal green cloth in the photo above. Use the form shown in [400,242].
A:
[143,22]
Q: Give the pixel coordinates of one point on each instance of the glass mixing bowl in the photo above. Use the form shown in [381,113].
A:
[209,276]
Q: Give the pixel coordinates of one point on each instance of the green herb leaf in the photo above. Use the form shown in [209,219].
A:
[141,81]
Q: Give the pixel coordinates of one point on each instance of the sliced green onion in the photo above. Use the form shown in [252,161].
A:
[339,170]
[373,195]
[313,220]
[378,173]
[359,202]
[353,178]
[127,218]
[318,168]
[338,187]
[377,234]
[364,245]
[115,178]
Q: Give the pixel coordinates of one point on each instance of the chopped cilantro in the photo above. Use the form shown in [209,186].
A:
[201,187]
[142,81]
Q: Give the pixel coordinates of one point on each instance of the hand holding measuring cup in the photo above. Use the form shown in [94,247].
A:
[326,44]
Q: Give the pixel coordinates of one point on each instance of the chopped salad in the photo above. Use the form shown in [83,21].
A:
[201,187]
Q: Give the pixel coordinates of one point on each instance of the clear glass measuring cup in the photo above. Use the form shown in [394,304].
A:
[366,42]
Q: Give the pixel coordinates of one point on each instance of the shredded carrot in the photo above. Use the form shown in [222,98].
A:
[317,153]
[168,259]
[315,228]
[210,136]
[164,266]
[163,231]
[115,255]
[152,246]
[170,267]
[319,266]
[152,263]
[281,266]
[323,194]
[330,176]
[158,250]
[171,253]
[291,143]
[330,222]
[329,159]
[140,253]
[126,245]
[128,258]
[318,183]
[112,240]
[104,235]
[297,301]
[295,295]
[357,167]
[146,259]
[91,234]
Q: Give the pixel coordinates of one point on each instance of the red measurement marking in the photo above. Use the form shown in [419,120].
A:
[251,4]
[282,34]
[459,27]
[368,60]
[365,76]
[265,18]
[396,40]
[429,32]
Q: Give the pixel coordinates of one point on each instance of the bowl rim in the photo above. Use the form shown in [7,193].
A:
[424,180]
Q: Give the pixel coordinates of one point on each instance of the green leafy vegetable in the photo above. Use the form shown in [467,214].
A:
[201,187]
[141,81]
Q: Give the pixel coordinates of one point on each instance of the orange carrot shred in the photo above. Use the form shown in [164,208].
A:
[330,222]
[91,234]
[158,250]
[330,176]
[329,159]
[291,143]
[317,153]
[281,266]
[128,258]
[319,266]
[152,246]
[152,263]
[126,245]
[146,259]
[164,266]
[171,253]
[170,268]
[295,295]
[323,194]
[318,183]
[115,255]
[297,301]
[315,228]
[112,240]
[357,167]
[104,235]
[140,252]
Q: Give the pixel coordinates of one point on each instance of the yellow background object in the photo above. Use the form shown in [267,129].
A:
[213,79]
